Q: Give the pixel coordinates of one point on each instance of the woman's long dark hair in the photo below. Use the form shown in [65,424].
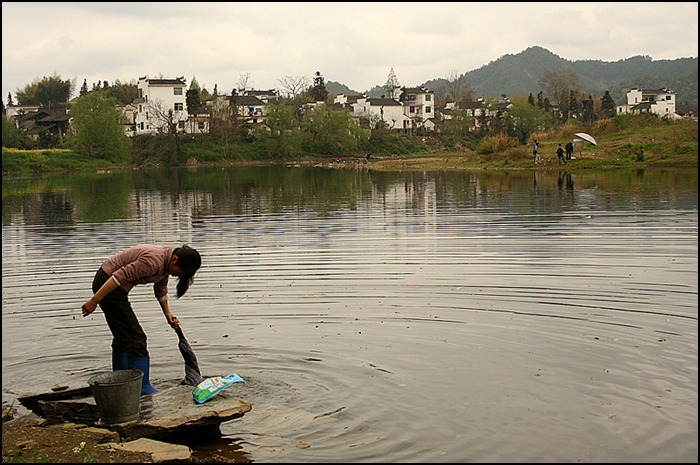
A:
[189,261]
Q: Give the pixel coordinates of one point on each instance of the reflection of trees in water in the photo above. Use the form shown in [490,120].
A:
[193,194]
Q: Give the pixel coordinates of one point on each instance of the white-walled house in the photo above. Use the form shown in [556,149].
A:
[381,109]
[419,106]
[477,110]
[265,96]
[417,110]
[250,108]
[129,112]
[157,98]
[661,102]
[17,110]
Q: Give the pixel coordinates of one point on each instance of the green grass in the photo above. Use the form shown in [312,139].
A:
[15,160]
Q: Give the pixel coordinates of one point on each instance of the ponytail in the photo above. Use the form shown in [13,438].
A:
[189,261]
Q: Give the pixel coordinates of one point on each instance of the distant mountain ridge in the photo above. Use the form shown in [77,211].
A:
[518,75]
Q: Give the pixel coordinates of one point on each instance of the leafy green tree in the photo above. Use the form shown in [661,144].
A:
[97,128]
[194,84]
[573,106]
[49,92]
[525,119]
[125,93]
[194,104]
[12,136]
[9,99]
[531,100]
[330,131]
[319,92]
[588,110]
[281,129]
[84,89]
[459,124]
[607,105]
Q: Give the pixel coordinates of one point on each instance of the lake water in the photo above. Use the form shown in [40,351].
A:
[384,316]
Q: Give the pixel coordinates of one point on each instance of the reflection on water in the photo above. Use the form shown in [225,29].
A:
[467,316]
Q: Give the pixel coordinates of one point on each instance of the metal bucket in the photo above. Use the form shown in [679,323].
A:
[117,394]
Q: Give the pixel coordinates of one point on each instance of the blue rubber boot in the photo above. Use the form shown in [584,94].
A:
[119,361]
[143,364]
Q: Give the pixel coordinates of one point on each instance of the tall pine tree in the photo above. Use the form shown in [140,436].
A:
[319,92]
[607,105]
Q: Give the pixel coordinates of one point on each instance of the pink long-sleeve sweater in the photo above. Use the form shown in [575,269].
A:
[141,264]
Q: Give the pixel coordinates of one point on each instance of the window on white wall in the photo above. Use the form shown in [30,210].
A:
[178,107]
[177,90]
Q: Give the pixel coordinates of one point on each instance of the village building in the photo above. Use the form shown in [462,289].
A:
[265,96]
[16,110]
[251,108]
[51,122]
[419,106]
[415,109]
[129,118]
[661,102]
[160,102]
[478,111]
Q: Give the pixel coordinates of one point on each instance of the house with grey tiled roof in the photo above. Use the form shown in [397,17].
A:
[418,105]
[160,100]
[251,108]
[661,102]
[265,96]
[55,122]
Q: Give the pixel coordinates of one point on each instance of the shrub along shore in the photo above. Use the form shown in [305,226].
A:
[623,141]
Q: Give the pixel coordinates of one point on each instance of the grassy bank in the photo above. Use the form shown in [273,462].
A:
[23,161]
[622,141]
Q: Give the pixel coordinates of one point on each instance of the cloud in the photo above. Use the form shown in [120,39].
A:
[353,43]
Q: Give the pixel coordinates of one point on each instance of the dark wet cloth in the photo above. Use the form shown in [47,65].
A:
[192,375]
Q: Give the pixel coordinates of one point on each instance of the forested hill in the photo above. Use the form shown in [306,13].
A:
[518,75]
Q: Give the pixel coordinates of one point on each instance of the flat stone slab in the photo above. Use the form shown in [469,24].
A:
[173,411]
[168,413]
[160,451]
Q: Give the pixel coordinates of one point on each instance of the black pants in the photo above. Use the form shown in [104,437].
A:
[128,336]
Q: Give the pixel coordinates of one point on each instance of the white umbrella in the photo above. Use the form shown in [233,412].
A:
[586,137]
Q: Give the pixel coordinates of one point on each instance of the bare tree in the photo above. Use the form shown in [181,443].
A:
[168,120]
[243,81]
[224,123]
[457,88]
[557,85]
[293,86]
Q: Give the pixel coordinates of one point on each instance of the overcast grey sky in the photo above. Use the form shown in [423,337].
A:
[353,43]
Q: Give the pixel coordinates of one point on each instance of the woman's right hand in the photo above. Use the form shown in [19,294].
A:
[89,307]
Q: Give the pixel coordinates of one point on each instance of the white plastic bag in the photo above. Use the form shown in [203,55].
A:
[212,386]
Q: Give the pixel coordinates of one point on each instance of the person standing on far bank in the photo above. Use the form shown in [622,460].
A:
[569,150]
[535,152]
[560,155]
[140,264]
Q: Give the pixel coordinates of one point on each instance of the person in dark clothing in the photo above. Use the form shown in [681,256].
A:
[569,150]
[535,152]
[140,264]
[560,155]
